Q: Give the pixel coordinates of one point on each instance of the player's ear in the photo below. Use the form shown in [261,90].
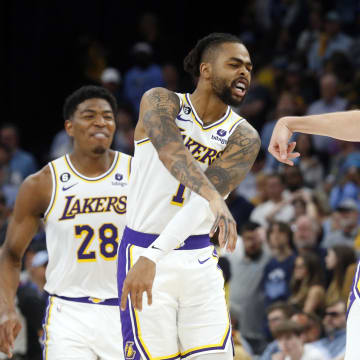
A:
[205,70]
[69,127]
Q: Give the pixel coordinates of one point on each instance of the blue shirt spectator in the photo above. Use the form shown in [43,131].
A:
[277,275]
[21,163]
[143,76]
[334,323]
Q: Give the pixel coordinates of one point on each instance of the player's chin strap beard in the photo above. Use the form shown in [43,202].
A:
[99,150]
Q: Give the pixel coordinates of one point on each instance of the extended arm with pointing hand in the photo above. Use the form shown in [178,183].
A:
[343,125]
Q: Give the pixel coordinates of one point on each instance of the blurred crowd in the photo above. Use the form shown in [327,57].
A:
[299,231]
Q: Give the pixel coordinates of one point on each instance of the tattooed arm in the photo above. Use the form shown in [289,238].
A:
[158,110]
[227,172]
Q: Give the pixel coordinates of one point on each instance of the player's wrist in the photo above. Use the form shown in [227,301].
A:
[155,255]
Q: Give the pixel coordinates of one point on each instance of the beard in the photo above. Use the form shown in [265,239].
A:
[99,150]
[223,92]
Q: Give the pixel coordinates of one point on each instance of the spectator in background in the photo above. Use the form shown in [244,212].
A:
[286,106]
[304,204]
[256,105]
[330,101]
[288,334]
[312,32]
[348,211]
[278,270]
[299,85]
[22,163]
[260,190]
[306,234]
[345,149]
[277,207]
[334,323]
[246,292]
[111,80]
[307,289]
[276,314]
[171,77]
[349,186]
[294,180]
[338,259]
[124,135]
[4,217]
[310,164]
[240,208]
[32,303]
[142,76]
[312,326]
[8,189]
[149,31]
[332,39]
[60,145]
[247,187]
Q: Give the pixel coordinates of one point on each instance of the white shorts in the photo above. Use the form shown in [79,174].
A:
[74,330]
[188,315]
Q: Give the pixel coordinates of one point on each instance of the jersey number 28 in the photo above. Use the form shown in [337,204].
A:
[108,242]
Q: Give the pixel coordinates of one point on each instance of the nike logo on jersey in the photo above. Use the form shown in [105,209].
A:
[154,247]
[182,119]
[203,261]
[68,187]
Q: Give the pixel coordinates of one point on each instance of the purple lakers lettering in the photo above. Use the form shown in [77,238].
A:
[201,152]
[75,206]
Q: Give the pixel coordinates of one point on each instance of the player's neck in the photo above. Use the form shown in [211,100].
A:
[92,165]
[207,105]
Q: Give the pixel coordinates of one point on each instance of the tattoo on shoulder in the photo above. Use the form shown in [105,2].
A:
[238,157]
[159,117]
[161,108]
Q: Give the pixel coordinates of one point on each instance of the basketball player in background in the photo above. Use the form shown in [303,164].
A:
[191,151]
[81,198]
[342,126]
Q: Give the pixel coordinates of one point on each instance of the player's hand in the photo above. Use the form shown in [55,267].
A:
[280,147]
[225,222]
[140,278]
[10,327]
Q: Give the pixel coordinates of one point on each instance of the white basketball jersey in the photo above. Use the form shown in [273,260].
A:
[156,196]
[84,224]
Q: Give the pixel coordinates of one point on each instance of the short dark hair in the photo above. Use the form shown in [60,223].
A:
[283,228]
[283,306]
[249,226]
[287,327]
[208,43]
[85,93]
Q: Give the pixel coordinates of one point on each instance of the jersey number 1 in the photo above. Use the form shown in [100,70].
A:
[178,199]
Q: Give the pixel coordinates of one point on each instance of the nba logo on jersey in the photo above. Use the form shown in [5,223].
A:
[129,350]
[187,110]
[64,177]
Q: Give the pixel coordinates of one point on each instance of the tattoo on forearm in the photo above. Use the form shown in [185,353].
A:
[159,123]
[228,171]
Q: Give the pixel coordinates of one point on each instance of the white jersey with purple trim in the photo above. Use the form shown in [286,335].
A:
[84,223]
[150,206]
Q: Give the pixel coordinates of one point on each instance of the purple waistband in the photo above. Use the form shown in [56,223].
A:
[145,240]
[90,300]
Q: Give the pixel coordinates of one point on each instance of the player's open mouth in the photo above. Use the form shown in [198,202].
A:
[100,135]
[240,87]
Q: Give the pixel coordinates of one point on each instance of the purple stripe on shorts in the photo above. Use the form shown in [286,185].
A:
[90,300]
[131,352]
[44,322]
[145,240]
[221,347]
[351,300]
